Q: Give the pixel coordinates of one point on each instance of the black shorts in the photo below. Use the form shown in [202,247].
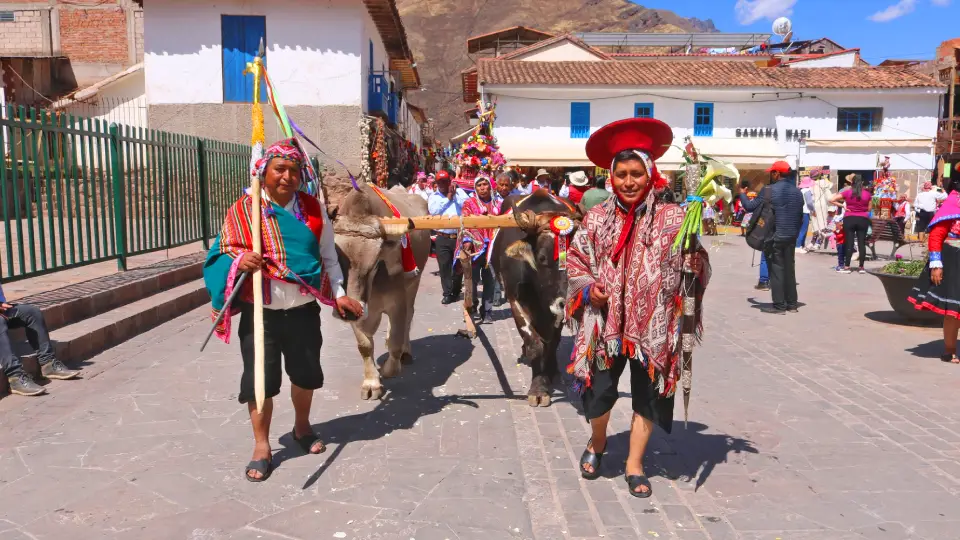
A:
[603,392]
[292,333]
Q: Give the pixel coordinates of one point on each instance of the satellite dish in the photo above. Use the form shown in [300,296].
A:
[782,26]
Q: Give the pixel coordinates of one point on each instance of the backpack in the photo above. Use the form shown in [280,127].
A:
[762,225]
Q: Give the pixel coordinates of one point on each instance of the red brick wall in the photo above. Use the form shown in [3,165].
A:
[94,35]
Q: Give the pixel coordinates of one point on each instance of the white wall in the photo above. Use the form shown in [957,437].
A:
[380,60]
[542,126]
[848,59]
[313,50]
[563,51]
[122,102]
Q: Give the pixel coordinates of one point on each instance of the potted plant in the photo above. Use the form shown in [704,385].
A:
[898,278]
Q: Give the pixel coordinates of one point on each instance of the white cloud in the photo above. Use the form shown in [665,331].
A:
[751,11]
[895,11]
[941,3]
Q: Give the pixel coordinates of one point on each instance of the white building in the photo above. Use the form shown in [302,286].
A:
[841,117]
[331,63]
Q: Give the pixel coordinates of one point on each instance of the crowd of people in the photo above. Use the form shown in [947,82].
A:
[447,197]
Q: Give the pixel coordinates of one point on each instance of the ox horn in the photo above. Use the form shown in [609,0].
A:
[528,221]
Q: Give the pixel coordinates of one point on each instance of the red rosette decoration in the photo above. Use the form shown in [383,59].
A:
[562,227]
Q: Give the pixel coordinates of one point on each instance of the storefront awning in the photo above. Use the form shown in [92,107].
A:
[878,144]
[744,153]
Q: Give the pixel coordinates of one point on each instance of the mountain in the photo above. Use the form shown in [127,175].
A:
[438,30]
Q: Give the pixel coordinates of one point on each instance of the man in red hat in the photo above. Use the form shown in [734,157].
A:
[447,200]
[780,248]
[624,286]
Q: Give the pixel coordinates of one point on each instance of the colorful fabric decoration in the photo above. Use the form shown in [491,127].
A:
[380,163]
[479,154]
[638,323]
[291,252]
[562,227]
[406,249]
[287,149]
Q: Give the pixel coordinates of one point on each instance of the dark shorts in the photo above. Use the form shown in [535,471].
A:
[600,397]
[293,334]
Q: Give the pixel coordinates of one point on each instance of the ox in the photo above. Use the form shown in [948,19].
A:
[373,270]
[533,283]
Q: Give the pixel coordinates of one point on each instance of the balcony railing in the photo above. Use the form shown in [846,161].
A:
[948,135]
[381,101]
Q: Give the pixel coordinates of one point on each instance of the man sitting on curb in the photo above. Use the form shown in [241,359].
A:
[28,316]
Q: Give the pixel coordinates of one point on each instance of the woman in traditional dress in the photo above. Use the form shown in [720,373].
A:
[300,267]
[624,293]
[483,202]
[938,287]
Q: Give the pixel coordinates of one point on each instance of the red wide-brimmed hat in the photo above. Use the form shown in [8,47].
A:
[647,134]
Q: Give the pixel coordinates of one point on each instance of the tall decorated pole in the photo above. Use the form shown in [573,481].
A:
[688,336]
[701,188]
[257,141]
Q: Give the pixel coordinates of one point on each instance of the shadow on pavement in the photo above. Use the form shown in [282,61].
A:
[686,454]
[892,317]
[410,397]
[932,349]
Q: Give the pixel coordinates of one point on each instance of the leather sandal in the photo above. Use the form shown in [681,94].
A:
[307,441]
[635,481]
[592,459]
[262,466]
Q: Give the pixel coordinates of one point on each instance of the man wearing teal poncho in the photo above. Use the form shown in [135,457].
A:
[300,267]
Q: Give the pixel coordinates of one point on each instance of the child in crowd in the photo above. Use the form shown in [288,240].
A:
[709,220]
[840,238]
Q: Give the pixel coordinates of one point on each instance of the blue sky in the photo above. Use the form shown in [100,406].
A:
[880,28]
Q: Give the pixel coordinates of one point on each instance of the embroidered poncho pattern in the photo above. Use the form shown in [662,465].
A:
[642,317]
[291,252]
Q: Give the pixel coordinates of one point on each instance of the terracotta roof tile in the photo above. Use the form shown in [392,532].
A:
[554,40]
[694,73]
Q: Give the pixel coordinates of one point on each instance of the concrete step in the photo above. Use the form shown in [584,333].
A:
[81,340]
[69,305]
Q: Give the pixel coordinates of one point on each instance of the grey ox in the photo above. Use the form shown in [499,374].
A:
[373,269]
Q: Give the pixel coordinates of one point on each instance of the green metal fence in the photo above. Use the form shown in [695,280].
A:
[75,191]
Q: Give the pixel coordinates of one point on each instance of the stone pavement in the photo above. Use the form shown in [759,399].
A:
[834,423]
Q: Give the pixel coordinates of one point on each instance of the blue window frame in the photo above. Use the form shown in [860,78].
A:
[371,56]
[579,120]
[703,120]
[643,110]
[860,119]
[241,41]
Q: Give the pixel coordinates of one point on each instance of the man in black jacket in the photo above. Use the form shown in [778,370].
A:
[780,250]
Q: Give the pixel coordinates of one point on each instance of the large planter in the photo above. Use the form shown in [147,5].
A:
[897,289]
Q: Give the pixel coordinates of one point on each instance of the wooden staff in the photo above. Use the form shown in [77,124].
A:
[258,140]
[259,368]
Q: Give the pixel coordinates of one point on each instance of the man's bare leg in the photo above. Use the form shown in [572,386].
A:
[640,432]
[302,400]
[598,440]
[261,432]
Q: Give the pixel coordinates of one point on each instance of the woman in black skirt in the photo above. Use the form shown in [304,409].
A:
[938,287]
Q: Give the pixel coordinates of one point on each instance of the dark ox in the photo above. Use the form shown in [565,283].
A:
[534,284]
[373,269]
